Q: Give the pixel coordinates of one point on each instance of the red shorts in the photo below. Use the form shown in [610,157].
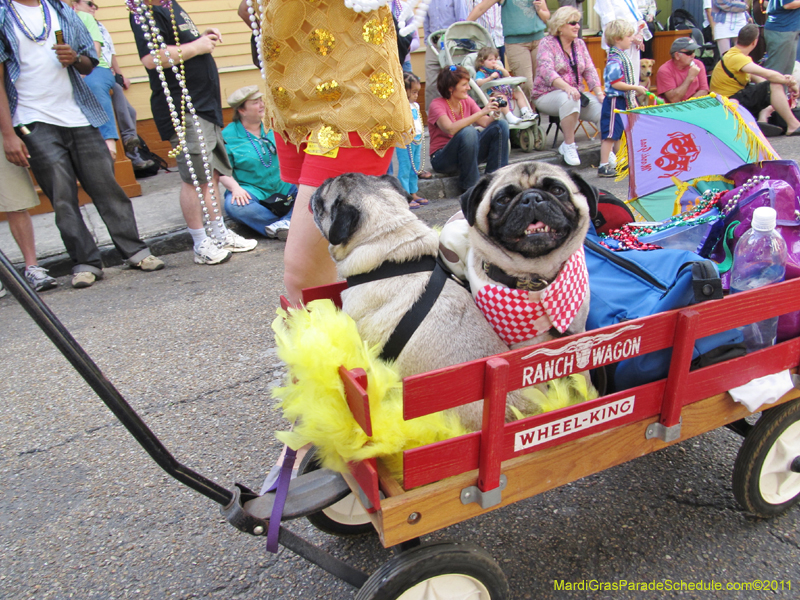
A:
[307,169]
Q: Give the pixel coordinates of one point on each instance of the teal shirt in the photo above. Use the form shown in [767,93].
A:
[521,24]
[246,153]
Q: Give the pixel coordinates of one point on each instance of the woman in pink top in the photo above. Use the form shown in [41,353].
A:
[456,146]
[564,67]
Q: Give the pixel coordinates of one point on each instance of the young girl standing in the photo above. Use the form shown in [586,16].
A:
[408,159]
[488,67]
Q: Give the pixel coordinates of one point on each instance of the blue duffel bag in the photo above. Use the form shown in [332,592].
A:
[630,284]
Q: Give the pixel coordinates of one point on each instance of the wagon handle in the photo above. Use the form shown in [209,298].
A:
[91,373]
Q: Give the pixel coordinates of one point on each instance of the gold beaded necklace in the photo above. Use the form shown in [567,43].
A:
[178,149]
[453,113]
[39,39]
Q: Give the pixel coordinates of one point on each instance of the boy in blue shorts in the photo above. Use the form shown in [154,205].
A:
[621,89]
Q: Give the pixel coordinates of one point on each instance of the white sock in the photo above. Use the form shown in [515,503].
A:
[603,164]
[198,235]
[512,118]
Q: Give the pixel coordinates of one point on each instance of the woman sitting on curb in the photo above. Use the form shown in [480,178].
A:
[456,146]
[256,196]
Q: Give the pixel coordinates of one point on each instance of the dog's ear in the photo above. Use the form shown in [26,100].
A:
[588,190]
[395,183]
[472,198]
[344,222]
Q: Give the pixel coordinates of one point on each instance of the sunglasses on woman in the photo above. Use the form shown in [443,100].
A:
[91,4]
[573,23]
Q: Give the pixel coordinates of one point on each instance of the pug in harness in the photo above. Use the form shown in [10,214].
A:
[525,263]
[398,295]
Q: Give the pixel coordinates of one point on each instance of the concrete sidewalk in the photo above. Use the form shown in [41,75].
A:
[161,224]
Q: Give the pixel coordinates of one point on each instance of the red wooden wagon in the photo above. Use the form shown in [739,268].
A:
[451,481]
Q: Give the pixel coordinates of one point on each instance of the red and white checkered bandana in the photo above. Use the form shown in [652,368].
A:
[514,315]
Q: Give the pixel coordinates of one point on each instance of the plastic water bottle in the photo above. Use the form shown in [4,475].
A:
[759,259]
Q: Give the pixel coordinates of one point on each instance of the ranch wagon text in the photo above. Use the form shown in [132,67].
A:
[564,365]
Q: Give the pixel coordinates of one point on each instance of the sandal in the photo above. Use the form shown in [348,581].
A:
[421,201]
[414,205]
[425,175]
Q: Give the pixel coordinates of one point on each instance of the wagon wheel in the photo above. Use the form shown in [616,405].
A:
[539,139]
[766,476]
[345,518]
[438,571]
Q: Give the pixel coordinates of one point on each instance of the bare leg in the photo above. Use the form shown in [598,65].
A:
[21,227]
[605,150]
[568,126]
[780,103]
[190,205]
[724,45]
[306,261]
[520,98]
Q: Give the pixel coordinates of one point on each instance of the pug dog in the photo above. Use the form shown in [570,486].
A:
[525,264]
[367,223]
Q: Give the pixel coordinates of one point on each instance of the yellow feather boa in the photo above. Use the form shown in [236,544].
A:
[313,342]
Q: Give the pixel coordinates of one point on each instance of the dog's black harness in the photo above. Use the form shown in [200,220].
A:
[419,310]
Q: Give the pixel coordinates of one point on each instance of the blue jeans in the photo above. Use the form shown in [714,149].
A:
[468,148]
[255,215]
[101,81]
[405,170]
[61,156]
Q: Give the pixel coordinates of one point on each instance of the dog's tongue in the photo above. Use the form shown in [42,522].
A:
[534,226]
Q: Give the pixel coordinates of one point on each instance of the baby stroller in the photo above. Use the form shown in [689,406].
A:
[459,45]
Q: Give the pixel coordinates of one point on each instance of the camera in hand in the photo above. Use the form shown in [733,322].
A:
[501,102]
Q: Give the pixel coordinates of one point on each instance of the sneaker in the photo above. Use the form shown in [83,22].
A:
[208,253]
[606,171]
[38,278]
[131,144]
[149,263]
[83,279]
[527,115]
[570,154]
[3,291]
[236,243]
[278,230]
[612,159]
[140,164]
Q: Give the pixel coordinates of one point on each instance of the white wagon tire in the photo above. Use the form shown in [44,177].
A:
[438,571]
[766,476]
[346,518]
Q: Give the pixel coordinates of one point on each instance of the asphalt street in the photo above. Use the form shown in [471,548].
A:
[86,514]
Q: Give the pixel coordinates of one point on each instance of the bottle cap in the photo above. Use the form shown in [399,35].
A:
[764,218]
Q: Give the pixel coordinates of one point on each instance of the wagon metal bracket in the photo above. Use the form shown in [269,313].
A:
[665,434]
[485,499]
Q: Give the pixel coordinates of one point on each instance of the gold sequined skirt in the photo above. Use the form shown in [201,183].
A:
[331,71]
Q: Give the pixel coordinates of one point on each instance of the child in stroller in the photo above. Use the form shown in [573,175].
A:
[488,67]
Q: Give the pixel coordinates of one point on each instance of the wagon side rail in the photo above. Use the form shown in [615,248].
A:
[475,468]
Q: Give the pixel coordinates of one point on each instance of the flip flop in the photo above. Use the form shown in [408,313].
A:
[421,201]
[796,132]
[425,175]
[413,205]
[769,130]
